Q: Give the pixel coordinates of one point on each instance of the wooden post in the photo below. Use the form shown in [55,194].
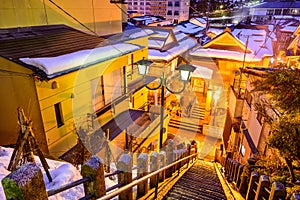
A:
[25,182]
[153,167]
[236,171]
[162,163]
[142,162]
[94,168]
[252,186]
[125,164]
[239,174]
[170,157]
[262,184]
[278,191]
[229,155]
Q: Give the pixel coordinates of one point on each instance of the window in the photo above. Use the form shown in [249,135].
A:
[286,11]
[169,12]
[58,114]
[176,12]
[270,12]
[259,118]
[176,3]
[113,85]
[277,11]
[97,90]
[170,3]
[248,98]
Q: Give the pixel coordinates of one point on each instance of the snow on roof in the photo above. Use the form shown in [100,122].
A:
[258,41]
[202,72]
[189,29]
[199,22]
[224,54]
[180,36]
[54,66]
[216,31]
[141,33]
[170,54]
[291,29]
[162,33]
[155,44]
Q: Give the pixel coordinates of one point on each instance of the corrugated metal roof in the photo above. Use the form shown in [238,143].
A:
[44,41]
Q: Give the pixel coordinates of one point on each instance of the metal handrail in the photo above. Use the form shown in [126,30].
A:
[134,183]
[113,173]
[68,186]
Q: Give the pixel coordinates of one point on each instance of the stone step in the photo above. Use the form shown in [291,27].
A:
[184,125]
[199,182]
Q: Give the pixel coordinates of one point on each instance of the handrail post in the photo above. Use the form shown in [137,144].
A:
[252,186]
[170,157]
[238,179]
[142,162]
[262,184]
[153,167]
[162,163]
[94,168]
[25,182]
[277,191]
[124,164]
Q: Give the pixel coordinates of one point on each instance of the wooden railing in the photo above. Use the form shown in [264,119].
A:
[162,165]
[248,182]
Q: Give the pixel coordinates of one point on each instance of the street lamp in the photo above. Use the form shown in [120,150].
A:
[185,72]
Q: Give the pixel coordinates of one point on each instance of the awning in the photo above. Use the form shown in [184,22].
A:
[120,122]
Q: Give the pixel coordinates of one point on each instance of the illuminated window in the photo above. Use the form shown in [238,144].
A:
[243,150]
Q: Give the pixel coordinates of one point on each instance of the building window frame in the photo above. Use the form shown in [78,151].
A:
[59,114]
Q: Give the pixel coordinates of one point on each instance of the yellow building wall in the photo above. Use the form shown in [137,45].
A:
[17,89]
[74,93]
[100,16]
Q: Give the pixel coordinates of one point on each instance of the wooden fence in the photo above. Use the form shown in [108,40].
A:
[249,183]
[27,181]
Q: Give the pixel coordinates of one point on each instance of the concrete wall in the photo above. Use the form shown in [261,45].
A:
[100,16]
[17,89]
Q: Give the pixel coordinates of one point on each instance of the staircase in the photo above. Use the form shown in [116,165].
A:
[198,111]
[191,123]
[200,182]
[186,124]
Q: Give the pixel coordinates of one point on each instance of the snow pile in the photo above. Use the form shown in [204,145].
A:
[61,172]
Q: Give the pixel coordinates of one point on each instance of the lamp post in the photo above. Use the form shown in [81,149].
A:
[185,72]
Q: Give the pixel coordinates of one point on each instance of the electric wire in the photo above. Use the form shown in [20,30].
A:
[59,7]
